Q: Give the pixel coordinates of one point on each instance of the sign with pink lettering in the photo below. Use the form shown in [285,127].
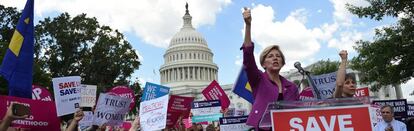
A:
[40,118]
[67,92]
[40,93]
[124,91]
[215,92]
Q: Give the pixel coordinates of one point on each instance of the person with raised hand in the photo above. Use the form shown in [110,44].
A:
[267,86]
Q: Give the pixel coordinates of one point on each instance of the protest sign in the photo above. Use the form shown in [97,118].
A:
[206,111]
[86,121]
[40,117]
[410,110]
[88,96]
[180,104]
[400,107]
[215,92]
[306,94]
[375,114]
[124,91]
[67,94]
[337,118]
[153,113]
[362,92]
[111,110]
[325,84]
[172,119]
[152,91]
[234,123]
[40,93]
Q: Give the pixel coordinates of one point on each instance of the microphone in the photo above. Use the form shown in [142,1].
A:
[299,67]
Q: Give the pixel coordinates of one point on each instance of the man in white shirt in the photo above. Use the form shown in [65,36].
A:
[388,122]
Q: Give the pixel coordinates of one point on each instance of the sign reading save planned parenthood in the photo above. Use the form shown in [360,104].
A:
[234,123]
[206,111]
[40,118]
[111,110]
[340,118]
[67,92]
[152,91]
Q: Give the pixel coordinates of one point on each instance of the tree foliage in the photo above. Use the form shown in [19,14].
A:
[324,67]
[389,58]
[80,46]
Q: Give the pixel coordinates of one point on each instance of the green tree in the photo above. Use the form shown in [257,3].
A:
[389,58]
[80,46]
[324,67]
[8,20]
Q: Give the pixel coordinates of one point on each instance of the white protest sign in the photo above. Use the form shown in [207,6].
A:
[67,94]
[153,113]
[325,84]
[234,123]
[88,96]
[111,110]
[86,121]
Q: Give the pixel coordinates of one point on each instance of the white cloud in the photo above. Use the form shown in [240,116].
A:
[407,88]
[341,14]
[154,21]
[296,41]
[319,11]
[346,40]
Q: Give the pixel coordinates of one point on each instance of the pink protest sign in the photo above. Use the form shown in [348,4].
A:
[172,119]
[306,94]
[40,118]
[188,123]
[180,105]
[40,93]
[215,92]
[124,91]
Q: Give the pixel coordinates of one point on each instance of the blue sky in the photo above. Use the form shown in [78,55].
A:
[306,30]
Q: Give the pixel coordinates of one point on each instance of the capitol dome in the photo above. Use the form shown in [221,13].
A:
[188,62]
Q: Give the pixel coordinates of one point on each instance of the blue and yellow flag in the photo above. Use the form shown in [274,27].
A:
[242,87]
[17,66]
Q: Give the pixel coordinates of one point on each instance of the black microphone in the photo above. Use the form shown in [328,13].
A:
[299,67]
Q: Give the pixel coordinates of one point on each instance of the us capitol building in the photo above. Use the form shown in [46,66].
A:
[189,68]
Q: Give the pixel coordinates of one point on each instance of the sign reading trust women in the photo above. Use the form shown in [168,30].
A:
[339,118]
[67,92]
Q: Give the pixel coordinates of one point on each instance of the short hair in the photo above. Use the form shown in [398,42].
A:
[350,76]
[385,106]
[267,50]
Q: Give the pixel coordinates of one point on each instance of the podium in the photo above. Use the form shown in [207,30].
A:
[287,107]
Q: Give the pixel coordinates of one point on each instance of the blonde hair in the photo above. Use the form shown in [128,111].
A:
[267,50]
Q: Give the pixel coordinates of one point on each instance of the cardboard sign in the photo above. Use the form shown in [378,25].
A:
[215,92]
[325,84]
[42,116]
[40,93]
[124,91]
[152,91]
[234,123]
[410,110]
[206,111]
[400,107]
[180,104]
[86,121]
[306,94]
[88,96]
[67,92]
[111,110]
[338,118]
[153,113]
[362,92]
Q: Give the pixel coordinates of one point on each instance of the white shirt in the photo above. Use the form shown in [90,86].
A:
[396,125]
